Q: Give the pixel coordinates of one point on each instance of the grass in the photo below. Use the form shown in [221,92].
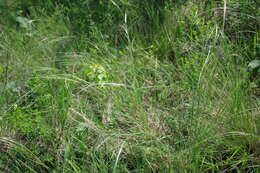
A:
[169,95]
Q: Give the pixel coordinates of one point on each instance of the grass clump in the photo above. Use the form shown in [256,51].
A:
[129,86]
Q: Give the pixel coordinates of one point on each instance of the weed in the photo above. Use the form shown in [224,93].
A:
[129,86]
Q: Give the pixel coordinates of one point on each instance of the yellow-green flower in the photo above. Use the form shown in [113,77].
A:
[96,72]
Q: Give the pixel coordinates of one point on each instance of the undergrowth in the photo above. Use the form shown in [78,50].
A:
[129,86]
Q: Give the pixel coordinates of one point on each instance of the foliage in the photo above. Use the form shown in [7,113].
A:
[129,86]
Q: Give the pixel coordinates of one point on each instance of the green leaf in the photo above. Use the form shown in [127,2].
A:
[254,64]
[24,22]
[1,69]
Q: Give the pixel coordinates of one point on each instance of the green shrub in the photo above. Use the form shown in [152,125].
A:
[44,107]
[28,122]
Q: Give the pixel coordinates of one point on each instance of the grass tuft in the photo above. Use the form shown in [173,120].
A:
[129,86]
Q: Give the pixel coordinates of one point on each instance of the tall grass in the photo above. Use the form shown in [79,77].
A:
[129,86]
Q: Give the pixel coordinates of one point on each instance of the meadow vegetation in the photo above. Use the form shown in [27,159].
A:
[129,86]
